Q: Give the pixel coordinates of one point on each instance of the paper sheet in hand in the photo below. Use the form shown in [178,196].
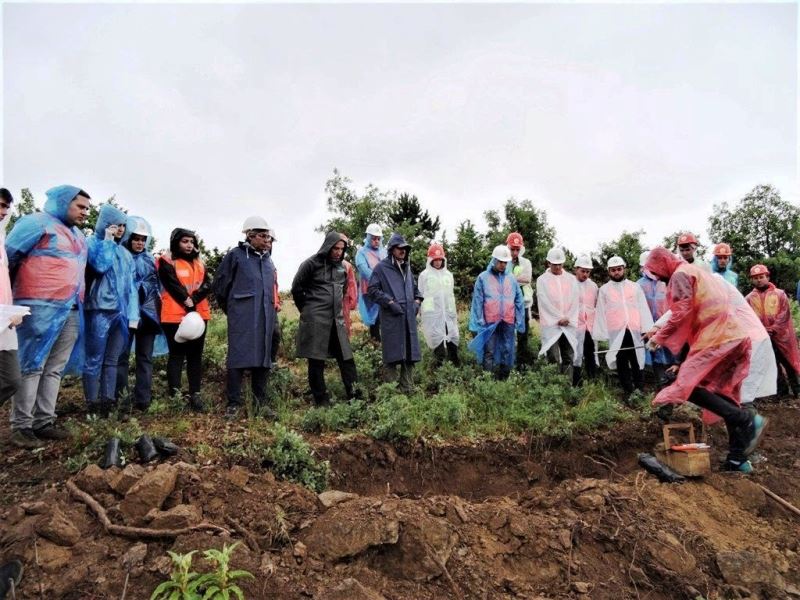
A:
[8,312]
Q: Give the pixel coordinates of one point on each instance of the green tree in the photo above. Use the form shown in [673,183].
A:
[527,220]
[467,257]
[24,206]
[629,246]
[352,211]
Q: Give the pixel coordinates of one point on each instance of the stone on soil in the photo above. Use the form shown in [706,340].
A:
[178,517]
[350,589]
[59,529]
[746,568]
[127,478]
[334,497]
[149,492]
[94,480]
[349,529]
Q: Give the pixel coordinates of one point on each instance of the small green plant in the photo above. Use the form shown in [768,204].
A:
[183,583]
[218,585]
[290,457]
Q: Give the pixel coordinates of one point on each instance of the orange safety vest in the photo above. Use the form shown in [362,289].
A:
[191,276]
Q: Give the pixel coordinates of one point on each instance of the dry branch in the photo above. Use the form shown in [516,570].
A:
[779,500]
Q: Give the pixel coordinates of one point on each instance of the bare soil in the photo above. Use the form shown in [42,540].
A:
[514,518]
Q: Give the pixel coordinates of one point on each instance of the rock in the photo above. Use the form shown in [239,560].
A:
[162,565]
[350,589]
[93,480]
[581,587]
[52,557]
[15,515]
[267,566]
[300,552]
[565,538]
[746,568]
[334,497]
[179,517]
[792,590]
[134,557]
[498,521]
[671,554]
[348,529]
[58,529]
[126,478]
[589,501]
[149,492]
[35,508]
[238,476]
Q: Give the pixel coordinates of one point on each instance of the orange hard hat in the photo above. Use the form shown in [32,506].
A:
[435,251]
[514,240]
[759,270]
[722,249]
[687,238]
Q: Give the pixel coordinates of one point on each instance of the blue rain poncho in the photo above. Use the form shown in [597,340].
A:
[366,261]
[727,274]
[655,292]
[145,280]
[47,258]
[111,300]
[497,299]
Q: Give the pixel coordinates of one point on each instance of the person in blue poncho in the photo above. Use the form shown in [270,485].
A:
[722,264]
[47,255]
[112,308]
[498,311]
[149,338]
[367,258]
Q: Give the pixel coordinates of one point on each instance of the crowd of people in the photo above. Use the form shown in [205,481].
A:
[91,299]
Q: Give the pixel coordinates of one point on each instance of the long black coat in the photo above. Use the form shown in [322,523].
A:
[244,285]
[317,290]
[389,283]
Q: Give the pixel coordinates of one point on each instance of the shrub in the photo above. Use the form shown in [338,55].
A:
[394,416]
[290,457]
[342,416]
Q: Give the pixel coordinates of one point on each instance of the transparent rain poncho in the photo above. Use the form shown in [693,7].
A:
[48,260]
[438,310]
[366,260]
[586,315]
[655,292]
[702,316]
[497,298]
[621,306]
[558,297]
[772,308]
[728,274]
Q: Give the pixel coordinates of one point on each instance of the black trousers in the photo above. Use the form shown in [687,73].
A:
[628,371]
[524,357]
[589,367]
[738,421]
[191,352]
[791,374]
[258,383]
[276,342]
[375,329]
[446,350]
[316,371]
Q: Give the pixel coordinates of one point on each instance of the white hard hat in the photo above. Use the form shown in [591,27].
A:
[271,233]
[254,223]
[138,226]
[555,256]
[501,253]
[643,258]
[192,327]
[375,230]
[615,261]
[584,262]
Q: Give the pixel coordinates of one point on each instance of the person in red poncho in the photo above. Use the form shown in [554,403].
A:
[772,307]
[718,359]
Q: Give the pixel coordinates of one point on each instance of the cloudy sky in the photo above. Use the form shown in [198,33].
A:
[609,117]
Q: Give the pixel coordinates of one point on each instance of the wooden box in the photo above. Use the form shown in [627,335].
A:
[694,463]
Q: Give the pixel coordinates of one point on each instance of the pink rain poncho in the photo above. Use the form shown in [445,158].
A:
[772,307]
[559,298]
[702,316]
[586,315]
[438,310]
[621,306]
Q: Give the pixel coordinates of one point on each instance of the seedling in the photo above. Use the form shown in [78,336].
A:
[183,583]
[218,585]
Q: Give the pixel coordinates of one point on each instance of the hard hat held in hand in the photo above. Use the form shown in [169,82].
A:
[555,256]
[615,261]
[435,251]
[251,223]
[501,253]
[584,262]
[192,327]
[374,229]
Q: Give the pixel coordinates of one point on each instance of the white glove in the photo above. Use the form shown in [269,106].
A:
[133,324]
[111,231]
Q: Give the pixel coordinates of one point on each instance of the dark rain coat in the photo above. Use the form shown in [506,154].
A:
[244,285]
[318,291]
[398,320]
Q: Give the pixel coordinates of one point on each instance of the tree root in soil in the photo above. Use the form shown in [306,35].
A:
[134,532]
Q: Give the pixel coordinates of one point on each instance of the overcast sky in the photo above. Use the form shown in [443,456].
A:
[609,117]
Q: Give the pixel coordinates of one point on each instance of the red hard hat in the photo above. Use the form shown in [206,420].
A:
[435,251]
[722,249]
[514,240]
[687,238]
[759,270]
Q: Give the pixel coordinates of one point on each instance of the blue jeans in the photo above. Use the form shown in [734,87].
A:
[142,390]
[104,385]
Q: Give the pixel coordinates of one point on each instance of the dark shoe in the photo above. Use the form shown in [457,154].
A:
[265,412]
[196,403]
[51,432]
[25,438]
[165,447]
[112,456]
[322,401]
[232,412]
[743,466]
[759,425]
[146,449]
[10,576]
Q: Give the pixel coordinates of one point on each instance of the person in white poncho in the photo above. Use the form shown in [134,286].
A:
[558,297]
[622,317]
[585,358]
[439,318]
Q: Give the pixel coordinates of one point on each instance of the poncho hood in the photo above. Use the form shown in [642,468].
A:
[58,200]
[174,243]
[662,263]
[109,215]
[333,238]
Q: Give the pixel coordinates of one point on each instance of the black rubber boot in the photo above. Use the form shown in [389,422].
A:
[112,457]
[196,403]
[165,447]
[10,576]
[146,449]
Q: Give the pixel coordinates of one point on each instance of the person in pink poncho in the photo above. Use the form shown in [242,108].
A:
[718,360]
